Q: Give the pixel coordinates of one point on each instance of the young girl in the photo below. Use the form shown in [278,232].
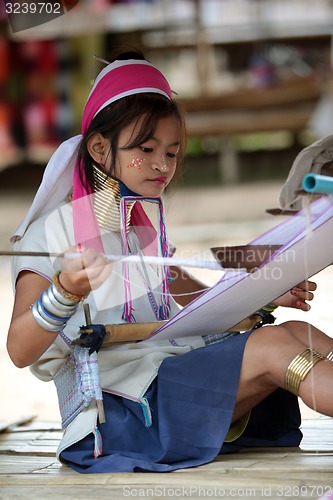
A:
[167,404]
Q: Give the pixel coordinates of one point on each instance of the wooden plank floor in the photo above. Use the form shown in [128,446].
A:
[29,469]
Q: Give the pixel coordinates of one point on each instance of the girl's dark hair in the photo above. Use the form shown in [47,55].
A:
[111,120]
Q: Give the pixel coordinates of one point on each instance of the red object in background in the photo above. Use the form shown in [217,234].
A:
[9,151]
[5,119]
[4,58]
[39,56]
[69,4]
[41,99]
[48,62]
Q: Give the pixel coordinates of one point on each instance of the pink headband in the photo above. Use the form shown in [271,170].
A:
[119,79]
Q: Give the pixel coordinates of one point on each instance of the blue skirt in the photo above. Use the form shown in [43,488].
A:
[192,401]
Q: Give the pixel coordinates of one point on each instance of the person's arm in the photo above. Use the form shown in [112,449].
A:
[27,340]
[183,283]
[298,296]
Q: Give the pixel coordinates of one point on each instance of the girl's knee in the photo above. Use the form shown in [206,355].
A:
[292,324]
[270,341]
[297,328]
[278,342]
[282,333]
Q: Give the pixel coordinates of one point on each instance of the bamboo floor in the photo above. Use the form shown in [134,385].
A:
[29,469]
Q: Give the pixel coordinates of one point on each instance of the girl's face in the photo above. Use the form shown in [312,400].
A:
[147,169]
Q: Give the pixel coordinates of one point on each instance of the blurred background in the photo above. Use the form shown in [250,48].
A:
[255,77]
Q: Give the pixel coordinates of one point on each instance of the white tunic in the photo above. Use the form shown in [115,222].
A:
[126,369]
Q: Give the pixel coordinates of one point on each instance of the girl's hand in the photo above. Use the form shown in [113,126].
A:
[86,272]
[297,296]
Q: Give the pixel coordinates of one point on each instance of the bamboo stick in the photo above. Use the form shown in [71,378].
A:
[134,332]
[148,259]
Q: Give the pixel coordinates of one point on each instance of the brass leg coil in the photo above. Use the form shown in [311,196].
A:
[330,355]
[299,368]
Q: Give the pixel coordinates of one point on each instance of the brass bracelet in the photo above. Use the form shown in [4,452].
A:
[72,297]
[299,368]
[330,355]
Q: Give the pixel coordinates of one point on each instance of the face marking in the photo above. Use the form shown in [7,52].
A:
[147,168]
[136,162]
[164,166]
